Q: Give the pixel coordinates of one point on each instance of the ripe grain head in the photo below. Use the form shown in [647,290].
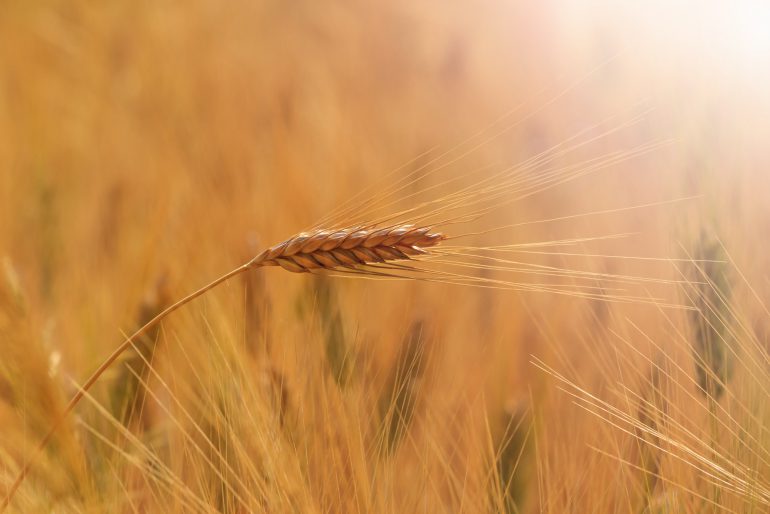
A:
[349,248]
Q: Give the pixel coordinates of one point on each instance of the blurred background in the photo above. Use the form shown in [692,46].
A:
[148,147]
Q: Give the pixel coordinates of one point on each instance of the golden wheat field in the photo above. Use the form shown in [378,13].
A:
[476,257]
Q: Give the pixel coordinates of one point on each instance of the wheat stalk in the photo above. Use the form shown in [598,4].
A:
[346,249]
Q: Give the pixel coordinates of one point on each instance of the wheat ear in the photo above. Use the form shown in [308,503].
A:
[346,248]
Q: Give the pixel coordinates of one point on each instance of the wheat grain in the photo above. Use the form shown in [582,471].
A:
[348,248]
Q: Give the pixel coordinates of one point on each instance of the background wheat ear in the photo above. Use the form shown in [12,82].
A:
[711,337]
[127,392]
[31,397]
[319,302]
[514,449]
[398,401]
[651,414]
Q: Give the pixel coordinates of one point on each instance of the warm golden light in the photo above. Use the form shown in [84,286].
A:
[384,257]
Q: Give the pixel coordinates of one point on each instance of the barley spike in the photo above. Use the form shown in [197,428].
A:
[347,248]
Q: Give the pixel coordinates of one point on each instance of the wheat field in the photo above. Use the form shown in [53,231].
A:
[524,270]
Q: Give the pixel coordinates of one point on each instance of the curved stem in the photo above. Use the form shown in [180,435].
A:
[106,364]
